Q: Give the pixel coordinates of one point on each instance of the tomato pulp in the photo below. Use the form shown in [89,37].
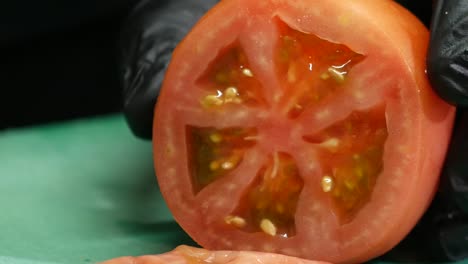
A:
[306,128]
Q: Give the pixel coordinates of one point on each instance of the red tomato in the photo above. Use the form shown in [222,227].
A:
[191,255]
[306,128]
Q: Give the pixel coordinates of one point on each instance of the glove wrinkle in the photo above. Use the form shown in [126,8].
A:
[149,37]
[448,51]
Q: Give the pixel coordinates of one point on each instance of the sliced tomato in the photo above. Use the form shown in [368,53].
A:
[192,255]
[306,128]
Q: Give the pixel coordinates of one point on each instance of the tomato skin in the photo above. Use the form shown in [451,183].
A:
[386,34]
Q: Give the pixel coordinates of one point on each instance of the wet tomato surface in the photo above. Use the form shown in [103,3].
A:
[306,128]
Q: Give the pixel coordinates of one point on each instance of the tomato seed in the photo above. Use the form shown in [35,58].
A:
[247,72]
[214,165]
[211,101]
[227,165]
[327,183]
[268,227]
[331,144]
[236,221]
[216,138]
[231,95]
[337,75]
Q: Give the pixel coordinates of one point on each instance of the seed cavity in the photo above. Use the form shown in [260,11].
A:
[270,203]
[229,79]
[236,221]
[327,184]
[351,159]
[268,227]
[280,208]
[213,152]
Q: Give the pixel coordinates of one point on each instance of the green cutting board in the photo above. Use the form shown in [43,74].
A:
[80,192]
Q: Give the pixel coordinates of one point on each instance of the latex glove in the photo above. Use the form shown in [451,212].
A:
[156,27]
[152,31]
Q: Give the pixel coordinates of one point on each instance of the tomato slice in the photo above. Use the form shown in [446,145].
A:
[306,128]
[191,255]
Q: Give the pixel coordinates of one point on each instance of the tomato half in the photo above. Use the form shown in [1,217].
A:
[306,128]
[192,255]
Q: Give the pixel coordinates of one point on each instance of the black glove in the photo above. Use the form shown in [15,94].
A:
[155,28]
[148,38]
[448,55]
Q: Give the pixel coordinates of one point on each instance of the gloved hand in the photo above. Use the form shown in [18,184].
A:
[149,35]
[155,28]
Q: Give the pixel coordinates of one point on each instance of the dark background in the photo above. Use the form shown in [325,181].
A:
[58,59]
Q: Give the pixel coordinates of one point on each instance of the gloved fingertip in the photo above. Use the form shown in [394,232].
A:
[447,61]
[148,39]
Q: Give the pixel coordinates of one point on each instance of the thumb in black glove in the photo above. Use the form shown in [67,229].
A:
[149,36]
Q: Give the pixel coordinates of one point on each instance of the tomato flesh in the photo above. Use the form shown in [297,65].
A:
[300,128]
